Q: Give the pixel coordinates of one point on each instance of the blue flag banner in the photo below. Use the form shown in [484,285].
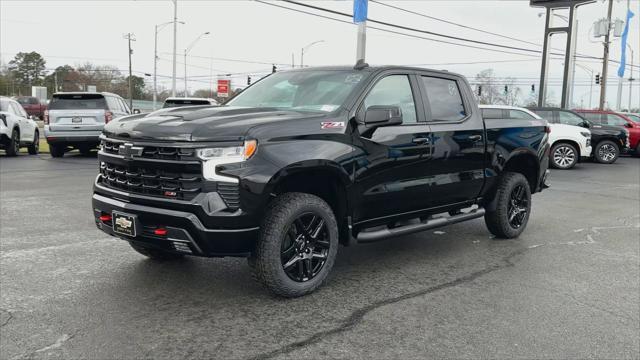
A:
[623,43]
[360,8]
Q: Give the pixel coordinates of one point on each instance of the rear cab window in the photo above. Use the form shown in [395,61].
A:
[78,102]
[569,118]
[593,117]
[492,113]
[520,115]
[445,99]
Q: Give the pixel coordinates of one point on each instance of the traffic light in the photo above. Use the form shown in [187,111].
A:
[597,79]
[248,79]
[533,88]
[273,69]
[506,89]
[480,90]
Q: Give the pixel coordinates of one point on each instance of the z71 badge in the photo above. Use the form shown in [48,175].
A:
[332,125]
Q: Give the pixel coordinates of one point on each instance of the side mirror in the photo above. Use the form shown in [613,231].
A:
[586,125]
[383,115]
[628,125]
[136,111]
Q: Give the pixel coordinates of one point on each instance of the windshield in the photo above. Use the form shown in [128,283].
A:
[635,118]
[321,90]
[77,102]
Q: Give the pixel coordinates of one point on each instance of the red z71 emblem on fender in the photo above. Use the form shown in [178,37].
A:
[332,125]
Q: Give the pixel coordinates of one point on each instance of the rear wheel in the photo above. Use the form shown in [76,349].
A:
[606,152]
[13,147]
[34,148]
[57,150]
[564,156]
[156,254]
[513,205]
[297,246]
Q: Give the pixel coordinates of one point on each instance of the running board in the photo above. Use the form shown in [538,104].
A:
[371,236]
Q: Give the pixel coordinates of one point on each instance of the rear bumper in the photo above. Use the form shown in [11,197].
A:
[72,137]
[186,232]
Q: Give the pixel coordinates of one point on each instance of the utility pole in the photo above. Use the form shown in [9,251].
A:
[605,61]
[175,44]
[130,37]
[186,51]
[631,79]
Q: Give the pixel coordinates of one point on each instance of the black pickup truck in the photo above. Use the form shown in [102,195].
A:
[305,160]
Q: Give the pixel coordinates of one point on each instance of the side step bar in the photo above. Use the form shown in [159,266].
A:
[371,236]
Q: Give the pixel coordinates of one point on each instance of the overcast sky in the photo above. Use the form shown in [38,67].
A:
[72,32]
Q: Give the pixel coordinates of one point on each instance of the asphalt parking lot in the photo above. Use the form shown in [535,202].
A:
[568,288]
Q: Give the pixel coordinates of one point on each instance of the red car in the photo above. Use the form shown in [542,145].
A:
[32,106]
[616,119]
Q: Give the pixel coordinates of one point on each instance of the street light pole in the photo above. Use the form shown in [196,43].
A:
[305,49]
[130,37]
[605,62]
[175,44]
[155,60]
[631,79]
[186,51]
[590,82]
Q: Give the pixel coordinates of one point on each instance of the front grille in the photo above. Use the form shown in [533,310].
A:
[230,193]
[153,152]
[152,180]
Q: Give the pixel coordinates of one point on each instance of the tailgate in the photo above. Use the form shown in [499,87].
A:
[65,120]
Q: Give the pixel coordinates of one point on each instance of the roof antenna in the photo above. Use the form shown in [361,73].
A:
[360,64]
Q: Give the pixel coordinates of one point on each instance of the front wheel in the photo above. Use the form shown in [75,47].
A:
[606,152]
[34,148]
[297,246]
[512,207]
[563,156]
[13,147]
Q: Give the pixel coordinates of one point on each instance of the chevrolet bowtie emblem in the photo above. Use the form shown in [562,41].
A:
[124,223]
[129,151]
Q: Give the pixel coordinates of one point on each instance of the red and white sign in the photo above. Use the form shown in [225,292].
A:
[223,88]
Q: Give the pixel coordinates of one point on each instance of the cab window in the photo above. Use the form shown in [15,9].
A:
[568,118]
[593,117]
[545,114]
[394,90]
[615,120]
[445,99]
[492,114]
[520,115]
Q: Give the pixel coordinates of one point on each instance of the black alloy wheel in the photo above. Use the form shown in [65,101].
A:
[305,247]
[518,207]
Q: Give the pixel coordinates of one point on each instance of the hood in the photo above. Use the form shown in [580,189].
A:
[198,123]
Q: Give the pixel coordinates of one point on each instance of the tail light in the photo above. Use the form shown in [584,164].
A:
[108,116]
[547,129]
[45,117]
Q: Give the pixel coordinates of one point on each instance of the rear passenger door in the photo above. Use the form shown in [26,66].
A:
[457,155]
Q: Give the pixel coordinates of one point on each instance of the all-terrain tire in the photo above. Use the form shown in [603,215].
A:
[13,147]
[266,261]
[34,148]
[57,151]
[606,152]
[498,220]
[156,254]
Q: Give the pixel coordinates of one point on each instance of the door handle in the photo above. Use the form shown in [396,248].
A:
[475,138]
[421,140]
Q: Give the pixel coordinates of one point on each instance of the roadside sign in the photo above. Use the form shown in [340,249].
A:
[223,88]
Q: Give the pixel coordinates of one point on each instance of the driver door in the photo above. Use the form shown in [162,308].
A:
[389,175]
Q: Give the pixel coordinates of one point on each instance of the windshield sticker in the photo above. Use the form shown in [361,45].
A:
[353,78]
[332,125]
[328,108]
[452,89]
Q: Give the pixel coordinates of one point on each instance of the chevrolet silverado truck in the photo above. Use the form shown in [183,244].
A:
[306,160]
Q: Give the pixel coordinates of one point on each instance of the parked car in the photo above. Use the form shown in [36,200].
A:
[569,144]
[32,105]
[76,119]
[607,141]
[178,102]
[615,119]
[308,159]
[633,117]
[17,129]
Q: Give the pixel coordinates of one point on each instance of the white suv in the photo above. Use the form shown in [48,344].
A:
[569,144]
[17,129]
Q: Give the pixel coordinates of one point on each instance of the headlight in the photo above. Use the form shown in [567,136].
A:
[212,157]
[586,134]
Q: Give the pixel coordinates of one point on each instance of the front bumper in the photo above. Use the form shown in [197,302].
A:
[186,234]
